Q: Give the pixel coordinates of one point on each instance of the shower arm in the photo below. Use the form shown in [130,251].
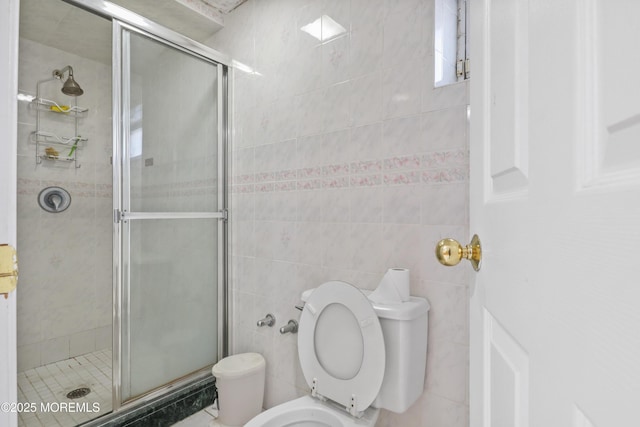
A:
[56,75]
[59,74]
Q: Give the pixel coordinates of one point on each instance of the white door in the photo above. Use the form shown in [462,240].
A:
[8,137]
[555,199]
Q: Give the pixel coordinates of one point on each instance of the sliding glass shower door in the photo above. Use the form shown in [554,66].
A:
[170,230]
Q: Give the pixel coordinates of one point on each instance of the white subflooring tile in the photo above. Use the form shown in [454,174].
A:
[42,391]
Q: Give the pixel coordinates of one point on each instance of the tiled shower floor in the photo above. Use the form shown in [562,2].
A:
[45,388]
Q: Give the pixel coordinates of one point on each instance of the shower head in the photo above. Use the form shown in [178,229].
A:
[70,87]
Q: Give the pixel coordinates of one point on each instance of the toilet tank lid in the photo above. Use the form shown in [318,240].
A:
[409,310]
[238,365]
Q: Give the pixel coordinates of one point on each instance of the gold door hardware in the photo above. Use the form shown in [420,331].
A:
[8,269]
[449,252]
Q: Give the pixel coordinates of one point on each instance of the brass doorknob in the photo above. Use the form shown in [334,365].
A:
[449,252]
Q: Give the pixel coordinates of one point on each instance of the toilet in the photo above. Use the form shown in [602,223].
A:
[357,357]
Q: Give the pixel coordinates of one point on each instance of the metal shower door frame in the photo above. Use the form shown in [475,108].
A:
[121,182]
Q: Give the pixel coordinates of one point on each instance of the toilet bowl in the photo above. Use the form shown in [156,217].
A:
[345,359]
[309,412]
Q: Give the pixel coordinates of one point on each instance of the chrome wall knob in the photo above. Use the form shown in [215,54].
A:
[269,320]
[291,326]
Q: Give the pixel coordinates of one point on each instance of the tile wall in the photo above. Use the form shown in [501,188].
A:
[346,162]
[65,291]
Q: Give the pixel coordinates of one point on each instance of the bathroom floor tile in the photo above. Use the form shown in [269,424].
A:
[45,389]
[200,419]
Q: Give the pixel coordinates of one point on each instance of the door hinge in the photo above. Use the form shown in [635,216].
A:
[117,216]
[225,214]
[8,269]
[462,69]
[459,68]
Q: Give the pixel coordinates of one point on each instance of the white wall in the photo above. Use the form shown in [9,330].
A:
[65,303]
[346,162]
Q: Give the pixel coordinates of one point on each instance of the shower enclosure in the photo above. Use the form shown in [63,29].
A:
[168,251]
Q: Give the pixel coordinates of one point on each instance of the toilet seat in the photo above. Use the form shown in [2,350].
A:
[341,346]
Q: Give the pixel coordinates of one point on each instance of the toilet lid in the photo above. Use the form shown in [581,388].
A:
[341,347]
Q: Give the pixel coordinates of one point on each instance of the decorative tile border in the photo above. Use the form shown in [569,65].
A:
[265,177]
[264,188]
[444,176]
[366,166]
[335,170]
[309,184]
[412,177]
[402,163]
[306,173]
[445,158]
[196,187]
[285,186]
[366,180]
[340,182]
[32,187]
[286,175]
[243,179]
[428,168]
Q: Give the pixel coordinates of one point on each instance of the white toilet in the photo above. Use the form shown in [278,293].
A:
[357,357]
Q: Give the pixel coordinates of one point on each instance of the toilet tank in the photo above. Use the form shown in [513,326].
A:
[404,327]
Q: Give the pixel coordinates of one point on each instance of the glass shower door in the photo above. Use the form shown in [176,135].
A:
[171,213]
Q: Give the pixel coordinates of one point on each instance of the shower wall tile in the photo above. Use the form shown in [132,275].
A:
[407,249]
[335,60]
[346,162]
[439,411]
[366,99]
[366,36]
[104,337]
[65,258]
[402,88]
[445,204]
[336,106]
[29,356]
[405,34]
[448,367]
[400,206]
[82,343]
[445,129]
[54,350]
[448,317]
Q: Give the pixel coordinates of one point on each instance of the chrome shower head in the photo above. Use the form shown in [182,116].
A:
[70,87]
